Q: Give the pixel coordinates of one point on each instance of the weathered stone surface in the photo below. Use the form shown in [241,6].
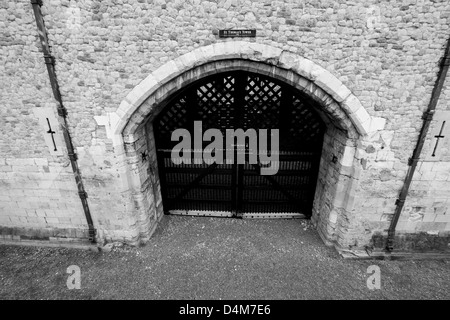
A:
[377,77]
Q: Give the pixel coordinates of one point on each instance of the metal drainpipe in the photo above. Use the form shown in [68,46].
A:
[412,162]
[62,112]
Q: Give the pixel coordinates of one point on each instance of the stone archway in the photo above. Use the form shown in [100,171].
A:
[347,123]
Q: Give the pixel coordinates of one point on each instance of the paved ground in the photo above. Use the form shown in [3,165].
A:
[212,258]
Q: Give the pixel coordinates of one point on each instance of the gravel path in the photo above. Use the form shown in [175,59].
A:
[212,258]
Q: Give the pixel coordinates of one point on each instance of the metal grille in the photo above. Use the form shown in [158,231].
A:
[241,100]
[215,103]
[262,103]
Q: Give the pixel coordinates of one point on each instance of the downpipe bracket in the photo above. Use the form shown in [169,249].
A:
[92,233]
[62,111]
[73,156]
[83,194]
[428,115]
[412,161]
[446,61]
[49,59]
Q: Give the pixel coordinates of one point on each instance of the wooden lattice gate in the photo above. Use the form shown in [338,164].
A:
[244,100]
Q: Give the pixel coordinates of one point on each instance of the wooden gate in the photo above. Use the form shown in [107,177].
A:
[243,100]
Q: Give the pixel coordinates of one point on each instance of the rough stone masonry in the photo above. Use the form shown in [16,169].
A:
[372,64]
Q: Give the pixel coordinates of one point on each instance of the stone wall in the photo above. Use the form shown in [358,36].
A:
[385,52]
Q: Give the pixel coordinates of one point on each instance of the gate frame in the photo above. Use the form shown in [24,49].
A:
[347,121]
[236,187]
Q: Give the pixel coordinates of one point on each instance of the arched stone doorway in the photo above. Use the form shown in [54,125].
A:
[346,120]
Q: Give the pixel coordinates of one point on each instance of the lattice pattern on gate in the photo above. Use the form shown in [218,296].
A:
[215,103]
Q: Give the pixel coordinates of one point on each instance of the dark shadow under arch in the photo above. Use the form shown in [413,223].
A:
[241,100]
